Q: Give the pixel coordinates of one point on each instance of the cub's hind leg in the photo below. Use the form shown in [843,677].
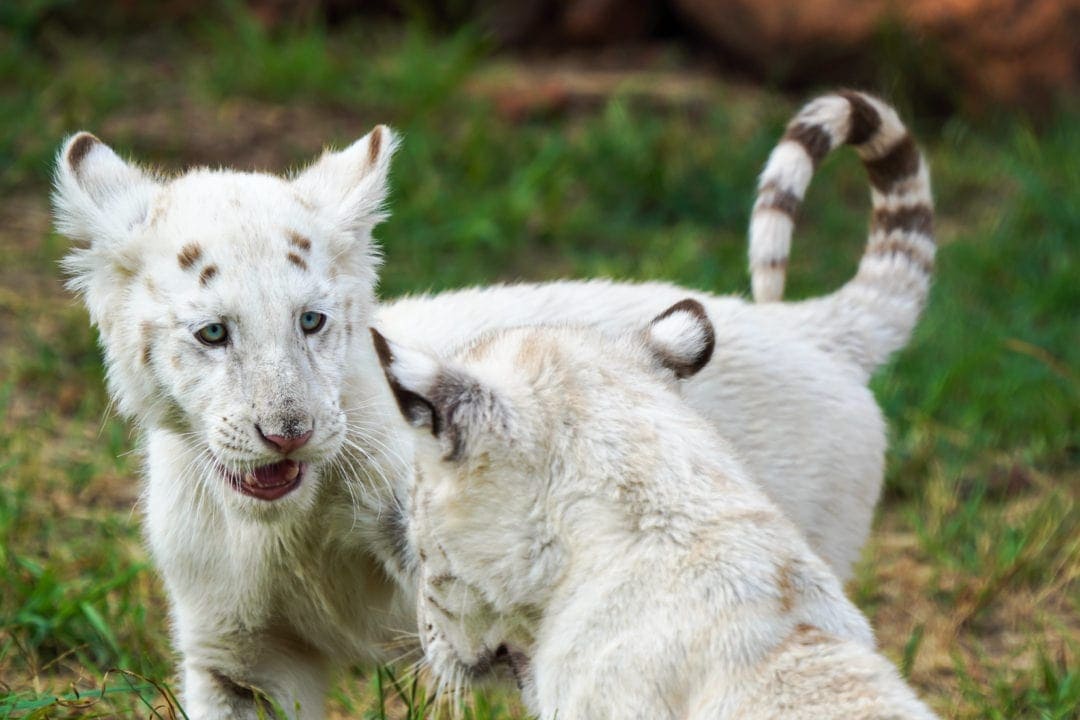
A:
[817,676]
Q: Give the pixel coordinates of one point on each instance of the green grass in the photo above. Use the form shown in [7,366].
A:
[973,576]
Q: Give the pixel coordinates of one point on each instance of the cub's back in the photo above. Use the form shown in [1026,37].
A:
[802,420]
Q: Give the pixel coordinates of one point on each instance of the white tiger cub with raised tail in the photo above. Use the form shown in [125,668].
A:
[231,309]
[575,519]
[788,383]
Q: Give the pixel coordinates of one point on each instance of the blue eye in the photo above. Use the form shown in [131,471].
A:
[312,322]
[213,334]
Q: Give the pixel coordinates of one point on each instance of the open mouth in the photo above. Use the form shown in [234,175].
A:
[269,482]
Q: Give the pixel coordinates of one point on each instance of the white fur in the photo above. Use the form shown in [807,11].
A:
[774,230]
[829,112]
[264,594]
[599,535]
[275,594]
[789,169]
[790,165]
[779,387]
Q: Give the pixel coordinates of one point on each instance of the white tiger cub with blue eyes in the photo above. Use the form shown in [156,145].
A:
[575,518]
[232,309]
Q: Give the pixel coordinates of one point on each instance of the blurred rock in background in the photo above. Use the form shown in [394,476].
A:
[1008,51]
[1017,52]
[973,53]
[978,53]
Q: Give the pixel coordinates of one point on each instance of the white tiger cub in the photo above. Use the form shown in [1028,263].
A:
[572,516]
[788,383]
[231,309]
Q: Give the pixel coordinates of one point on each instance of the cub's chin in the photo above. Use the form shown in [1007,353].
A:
[502,666]
[491,668]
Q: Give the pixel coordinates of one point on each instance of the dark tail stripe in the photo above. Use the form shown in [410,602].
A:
[773,197]
[895,246]
[814,138]
[898,164]
[898,259]
[910,219]
[865,121]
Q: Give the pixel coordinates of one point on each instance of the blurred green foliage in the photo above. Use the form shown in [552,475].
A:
[984,404]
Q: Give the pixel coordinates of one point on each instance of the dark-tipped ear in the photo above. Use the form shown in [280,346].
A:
[412,376]
[682,338]
[99,200]
[352,184]
[98,197]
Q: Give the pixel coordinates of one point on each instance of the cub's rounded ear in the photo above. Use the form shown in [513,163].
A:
[412,376]
[97,195]
[682,338]
[352,183]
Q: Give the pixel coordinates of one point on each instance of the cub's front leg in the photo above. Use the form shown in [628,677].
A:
[257,676]
[240,658]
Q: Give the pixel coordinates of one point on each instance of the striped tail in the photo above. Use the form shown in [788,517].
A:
[893,279]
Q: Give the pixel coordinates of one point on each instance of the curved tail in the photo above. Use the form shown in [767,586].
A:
[874,313]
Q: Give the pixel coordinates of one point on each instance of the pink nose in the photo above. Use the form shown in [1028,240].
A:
[286,444]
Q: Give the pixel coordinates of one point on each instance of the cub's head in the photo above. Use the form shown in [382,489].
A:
[511,433]
[230,306]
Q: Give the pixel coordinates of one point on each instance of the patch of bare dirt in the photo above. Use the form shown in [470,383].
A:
[915,595]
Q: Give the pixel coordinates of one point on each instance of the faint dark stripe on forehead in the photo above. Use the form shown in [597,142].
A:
[189,255]
[208,273]
[299,241]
